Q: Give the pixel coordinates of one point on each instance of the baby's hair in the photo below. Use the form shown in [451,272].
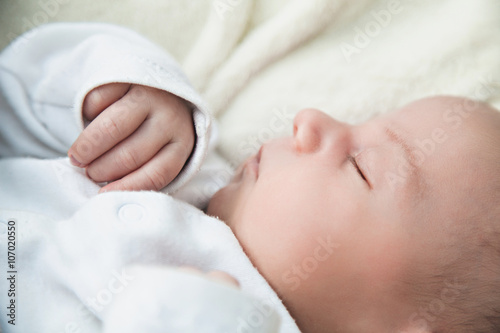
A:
[464,297]
[478,309]
[474,305]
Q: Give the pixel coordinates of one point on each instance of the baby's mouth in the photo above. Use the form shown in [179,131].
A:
[250,166]
[259,154]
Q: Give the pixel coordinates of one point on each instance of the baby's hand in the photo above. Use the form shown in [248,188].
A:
[218,276]
[139,137]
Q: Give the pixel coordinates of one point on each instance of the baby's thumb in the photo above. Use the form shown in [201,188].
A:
[98,99]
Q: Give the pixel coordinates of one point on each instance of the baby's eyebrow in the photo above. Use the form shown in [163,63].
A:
[414,175]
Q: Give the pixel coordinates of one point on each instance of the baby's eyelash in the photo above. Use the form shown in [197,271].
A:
[355,164]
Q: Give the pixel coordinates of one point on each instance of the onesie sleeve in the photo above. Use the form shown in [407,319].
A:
[46,73]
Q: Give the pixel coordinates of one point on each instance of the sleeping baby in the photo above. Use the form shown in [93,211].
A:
[391,225]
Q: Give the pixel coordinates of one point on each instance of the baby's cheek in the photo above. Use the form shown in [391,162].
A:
[386,257]
[266,241]
[304,263]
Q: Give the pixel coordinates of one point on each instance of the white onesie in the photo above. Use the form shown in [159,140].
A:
[75,261]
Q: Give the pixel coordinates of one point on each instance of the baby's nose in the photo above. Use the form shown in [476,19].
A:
[311,128]
[306,126]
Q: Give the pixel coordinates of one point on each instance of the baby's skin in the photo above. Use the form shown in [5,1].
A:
[341,220]
[355,226]
[143,137]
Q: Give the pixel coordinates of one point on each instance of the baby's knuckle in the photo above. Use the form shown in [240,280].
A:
[94,173]
[183,148]
[94,98]
[156,179]
[128,160]
[110,128]
[139,95]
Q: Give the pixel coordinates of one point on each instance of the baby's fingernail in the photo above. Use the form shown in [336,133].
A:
[74,161]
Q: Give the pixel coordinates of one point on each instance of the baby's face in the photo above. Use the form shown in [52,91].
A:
[336,216]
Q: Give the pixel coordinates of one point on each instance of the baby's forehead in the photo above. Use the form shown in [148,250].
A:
[447,115]
[448,136]
[444,108]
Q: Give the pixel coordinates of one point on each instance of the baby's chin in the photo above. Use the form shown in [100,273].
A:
[214,206]
[225,201]
[220,206]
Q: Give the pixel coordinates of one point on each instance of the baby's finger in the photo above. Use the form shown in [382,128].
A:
[113,125]
[131,153]
[213,275]
[223,277]
[156,173]
[98,99]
